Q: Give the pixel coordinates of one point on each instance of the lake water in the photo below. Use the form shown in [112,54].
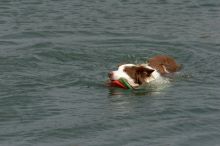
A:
[54,60]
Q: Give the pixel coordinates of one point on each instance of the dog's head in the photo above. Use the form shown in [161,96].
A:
[135,75]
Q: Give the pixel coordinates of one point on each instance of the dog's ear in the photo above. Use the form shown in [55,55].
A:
[148,71]
[141,74]
[144,71]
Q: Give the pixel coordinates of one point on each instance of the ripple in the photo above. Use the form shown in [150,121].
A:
[54,60]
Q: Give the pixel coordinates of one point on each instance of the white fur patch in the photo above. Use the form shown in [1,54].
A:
[120,73]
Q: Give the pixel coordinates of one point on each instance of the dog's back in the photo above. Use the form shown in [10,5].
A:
[164,64]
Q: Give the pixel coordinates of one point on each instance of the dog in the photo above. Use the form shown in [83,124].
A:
[139,74]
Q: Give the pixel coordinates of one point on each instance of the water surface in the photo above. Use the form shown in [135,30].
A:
[54,60]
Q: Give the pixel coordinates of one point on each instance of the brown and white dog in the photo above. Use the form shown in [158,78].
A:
[140,74]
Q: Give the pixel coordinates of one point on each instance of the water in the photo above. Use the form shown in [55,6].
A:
[54,60]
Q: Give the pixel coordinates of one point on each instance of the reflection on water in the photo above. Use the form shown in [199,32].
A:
[154,88]
[147,90]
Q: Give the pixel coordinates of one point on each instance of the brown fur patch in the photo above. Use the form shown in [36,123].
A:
[138,73]
[163,64]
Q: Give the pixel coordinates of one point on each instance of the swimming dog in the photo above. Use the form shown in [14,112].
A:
[139,74]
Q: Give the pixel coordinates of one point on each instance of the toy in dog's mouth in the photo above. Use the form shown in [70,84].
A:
[121,83]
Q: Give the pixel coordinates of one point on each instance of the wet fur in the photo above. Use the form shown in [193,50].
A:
[155,68]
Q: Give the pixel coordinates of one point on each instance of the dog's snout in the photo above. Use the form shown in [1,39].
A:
[110,74]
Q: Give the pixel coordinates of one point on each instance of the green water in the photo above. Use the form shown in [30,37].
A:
[54,60]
